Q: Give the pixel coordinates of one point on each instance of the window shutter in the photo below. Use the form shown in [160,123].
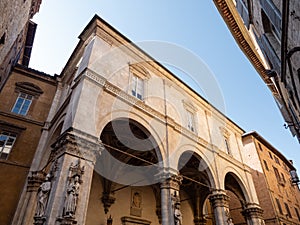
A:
[273,13]
[243,11]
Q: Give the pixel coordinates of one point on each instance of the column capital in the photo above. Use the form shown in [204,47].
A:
[79,144]
[219,198]
[252,210]
[169,179]
[34,180]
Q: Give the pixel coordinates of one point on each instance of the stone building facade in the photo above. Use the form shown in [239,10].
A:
[16,34]
[25,103]
[275,180]
[267,31]
[126,142]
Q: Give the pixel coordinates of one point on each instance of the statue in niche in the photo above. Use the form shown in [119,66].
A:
[72,197]
[136,203]
[177,214]
[136,200]
[43,195]
[230,222]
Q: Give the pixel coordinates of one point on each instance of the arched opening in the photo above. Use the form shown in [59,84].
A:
[237,198]
[124,179]
[195,189]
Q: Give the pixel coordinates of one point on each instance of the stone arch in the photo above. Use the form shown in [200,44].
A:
[238,195]
[129,115]
[198,181]
[240,182]
[206,160]
[131,151]
[119,167]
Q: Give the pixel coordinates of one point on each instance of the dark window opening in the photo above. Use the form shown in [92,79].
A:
[2,39]
[288,210]
[266,165]
[279,206]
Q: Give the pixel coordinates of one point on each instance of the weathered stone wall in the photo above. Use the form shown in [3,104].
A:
[14,16]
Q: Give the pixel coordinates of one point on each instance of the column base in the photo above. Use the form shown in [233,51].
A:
[39,220]
[66,221]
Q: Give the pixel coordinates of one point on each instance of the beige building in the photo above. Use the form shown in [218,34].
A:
[275,180]
[16,34]
[126,142]
[267,31]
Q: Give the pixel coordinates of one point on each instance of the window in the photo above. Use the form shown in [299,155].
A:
[297,213]
[283,178]
[266,165]
[190,119]
[276,160]
[2,39]
[259,146]
[22,104]
[242,7]
[227,146]
[288,210]
[270,154]
[7,141]
[137,89]
[277,174]
[279,206]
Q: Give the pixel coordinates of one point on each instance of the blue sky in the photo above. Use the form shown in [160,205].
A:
[195,25]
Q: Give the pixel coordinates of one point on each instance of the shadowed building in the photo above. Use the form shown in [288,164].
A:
[267,31]
[16,34]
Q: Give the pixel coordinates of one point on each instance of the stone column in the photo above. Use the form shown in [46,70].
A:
[199,218]
[75,154]
[26,209]
[220,204]
[169,188]
[253,214]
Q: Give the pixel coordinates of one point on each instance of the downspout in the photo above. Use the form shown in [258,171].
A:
[284,38]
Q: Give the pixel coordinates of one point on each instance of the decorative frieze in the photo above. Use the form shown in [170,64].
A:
[78,144]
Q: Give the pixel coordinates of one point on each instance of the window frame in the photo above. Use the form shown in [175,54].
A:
[279,206]
[23,99]
[28,89]
[287,209]
[266,165]
[137,87]
[9,135]
[191,121]
[138,72]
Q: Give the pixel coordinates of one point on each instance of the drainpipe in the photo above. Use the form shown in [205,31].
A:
[284,38]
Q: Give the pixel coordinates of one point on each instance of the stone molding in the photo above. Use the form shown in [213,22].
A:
[126,220]
[35,179]
[116,91]
[77,143]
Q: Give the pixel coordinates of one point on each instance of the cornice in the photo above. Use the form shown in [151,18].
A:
[242,37]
